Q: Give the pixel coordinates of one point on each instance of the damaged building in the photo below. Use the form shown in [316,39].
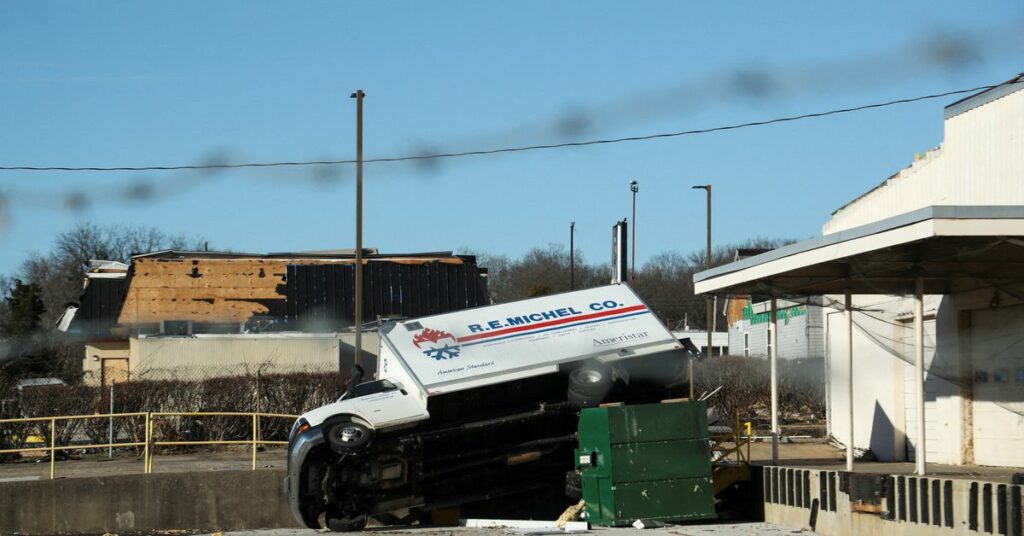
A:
[169,314]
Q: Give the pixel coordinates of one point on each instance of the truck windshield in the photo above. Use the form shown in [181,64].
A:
[372,388]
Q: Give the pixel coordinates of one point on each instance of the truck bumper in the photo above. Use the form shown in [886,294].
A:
[298,450]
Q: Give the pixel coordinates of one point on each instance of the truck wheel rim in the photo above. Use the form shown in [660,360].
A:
[350,434]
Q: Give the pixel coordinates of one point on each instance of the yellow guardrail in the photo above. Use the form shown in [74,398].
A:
[149,443]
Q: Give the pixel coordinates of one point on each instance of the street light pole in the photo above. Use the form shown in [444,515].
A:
[358,96]
[632,263]
[572,256]
[707,299]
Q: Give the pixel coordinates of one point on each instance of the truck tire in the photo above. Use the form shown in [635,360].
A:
[348,435]
[344,523]
[589,384]
[574,493]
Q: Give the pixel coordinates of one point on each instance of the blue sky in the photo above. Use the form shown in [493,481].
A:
[144,83]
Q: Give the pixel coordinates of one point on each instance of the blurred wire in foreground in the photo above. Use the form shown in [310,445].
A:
[482,152]
[934,53]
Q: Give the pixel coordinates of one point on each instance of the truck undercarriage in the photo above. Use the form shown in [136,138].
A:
[503,449]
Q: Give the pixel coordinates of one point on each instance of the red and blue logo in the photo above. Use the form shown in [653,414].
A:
[434,336]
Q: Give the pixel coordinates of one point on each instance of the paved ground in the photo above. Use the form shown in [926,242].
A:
[234,458]
[814,455]
[737,529]
[128,463]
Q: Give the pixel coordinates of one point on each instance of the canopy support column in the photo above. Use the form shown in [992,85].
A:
[849,381]
[919,448]
[774,358]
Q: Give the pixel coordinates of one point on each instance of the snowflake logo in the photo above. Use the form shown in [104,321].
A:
[445,352]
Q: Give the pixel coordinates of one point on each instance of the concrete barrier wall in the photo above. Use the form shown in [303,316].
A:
[832,503]
[213,500]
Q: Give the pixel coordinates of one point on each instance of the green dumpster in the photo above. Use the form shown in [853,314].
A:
[649,461]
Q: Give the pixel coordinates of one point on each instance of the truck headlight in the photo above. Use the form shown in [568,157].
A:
[300,426]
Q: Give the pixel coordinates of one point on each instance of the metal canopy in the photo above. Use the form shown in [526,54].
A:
[953,248]
[934,250]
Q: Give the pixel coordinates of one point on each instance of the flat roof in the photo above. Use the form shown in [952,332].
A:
[948,245]
[971,102]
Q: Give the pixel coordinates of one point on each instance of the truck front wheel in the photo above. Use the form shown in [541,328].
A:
[348,435]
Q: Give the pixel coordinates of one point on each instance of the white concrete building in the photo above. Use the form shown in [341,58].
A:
[940,243]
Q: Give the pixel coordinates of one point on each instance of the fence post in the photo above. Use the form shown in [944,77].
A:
[736,438]
[53,445]
[255,421]
[110,425]
[749,440]
[147,453]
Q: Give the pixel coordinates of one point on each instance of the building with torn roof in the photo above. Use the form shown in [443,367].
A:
[178,313]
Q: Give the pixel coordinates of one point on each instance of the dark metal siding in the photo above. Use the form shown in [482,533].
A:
[326,293]
[100,305]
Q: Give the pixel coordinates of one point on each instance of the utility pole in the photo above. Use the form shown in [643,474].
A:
[572,256]
[358,96]
[632,263]
[707,299]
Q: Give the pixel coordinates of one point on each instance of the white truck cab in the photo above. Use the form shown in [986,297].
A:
[479,390]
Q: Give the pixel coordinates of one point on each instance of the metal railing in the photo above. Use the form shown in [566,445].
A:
[150,442]
[733,442]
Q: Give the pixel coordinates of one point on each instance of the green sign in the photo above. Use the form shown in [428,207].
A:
[781,314]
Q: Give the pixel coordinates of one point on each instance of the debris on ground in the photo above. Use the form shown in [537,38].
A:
[572,513]
[527,526]
[641,524]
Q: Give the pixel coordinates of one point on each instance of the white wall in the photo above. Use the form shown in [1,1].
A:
[878,420]
[986,430]
[224,355]
[978,164]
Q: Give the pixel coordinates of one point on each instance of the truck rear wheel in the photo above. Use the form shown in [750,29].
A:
[589,385]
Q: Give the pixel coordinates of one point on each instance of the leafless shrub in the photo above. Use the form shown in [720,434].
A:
[746,388]
[287,393]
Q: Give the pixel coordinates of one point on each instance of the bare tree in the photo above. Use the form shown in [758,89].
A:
[540,271]
[59,273]
[665,281]
[59,276]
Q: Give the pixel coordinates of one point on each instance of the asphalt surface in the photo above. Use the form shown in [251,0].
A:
[723,529]
[814,455]
[128,461]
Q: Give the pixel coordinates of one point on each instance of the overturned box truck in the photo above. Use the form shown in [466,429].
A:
[477,409]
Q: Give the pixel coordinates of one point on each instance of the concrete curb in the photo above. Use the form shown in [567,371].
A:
[212,500]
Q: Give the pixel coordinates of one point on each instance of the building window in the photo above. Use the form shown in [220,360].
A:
[746,344]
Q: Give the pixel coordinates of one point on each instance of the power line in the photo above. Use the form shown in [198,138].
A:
[525,148]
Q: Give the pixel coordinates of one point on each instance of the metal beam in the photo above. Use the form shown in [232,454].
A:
[919,448]
[774,357]
[849,380]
